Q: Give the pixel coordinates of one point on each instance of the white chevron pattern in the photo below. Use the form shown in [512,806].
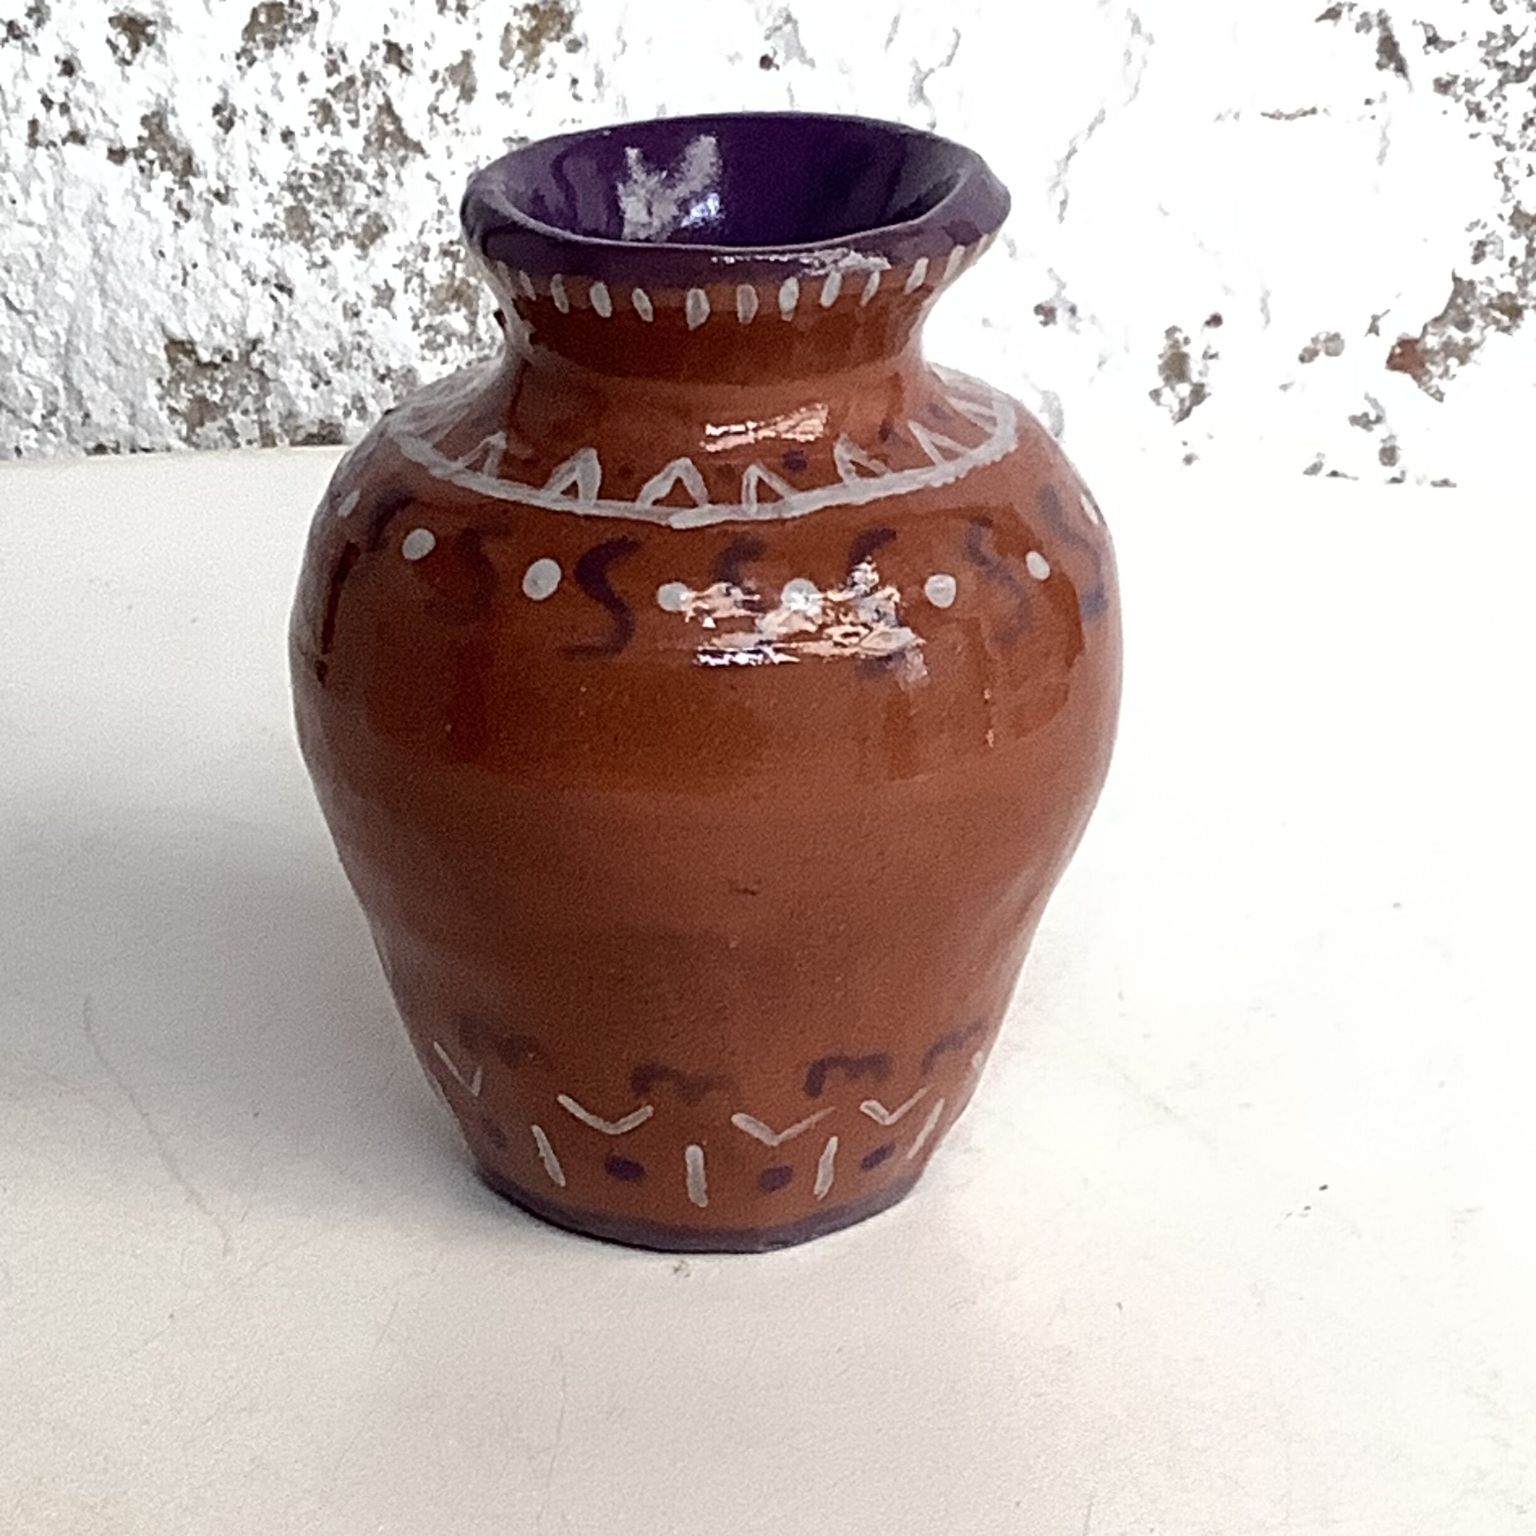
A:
[635,1117]
[771,1138]
[470,1084]
[883,1116]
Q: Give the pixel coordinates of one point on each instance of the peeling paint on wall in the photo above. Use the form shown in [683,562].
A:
[1303,239]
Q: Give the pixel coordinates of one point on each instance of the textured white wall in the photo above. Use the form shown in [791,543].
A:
[1303,242]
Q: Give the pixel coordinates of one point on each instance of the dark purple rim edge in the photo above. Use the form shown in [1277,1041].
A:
[501,232]
[661,1238]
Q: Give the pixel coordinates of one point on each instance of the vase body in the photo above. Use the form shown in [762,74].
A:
[706,695]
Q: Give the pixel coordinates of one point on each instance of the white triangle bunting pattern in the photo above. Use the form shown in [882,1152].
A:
[938,447]
[850,459]
[757,477]
[582,473]
[683,472]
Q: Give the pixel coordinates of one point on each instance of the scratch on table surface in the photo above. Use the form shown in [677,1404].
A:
[1186,1121]
[388,1323]
[156,1136]
[358,1431]
[1088,1515]
[554,1450]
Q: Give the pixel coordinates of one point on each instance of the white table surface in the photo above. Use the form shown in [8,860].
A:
[1237,1238]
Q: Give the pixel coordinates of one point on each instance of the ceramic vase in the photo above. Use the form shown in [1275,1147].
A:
[706,693]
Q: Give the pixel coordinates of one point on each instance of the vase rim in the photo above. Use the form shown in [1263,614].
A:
[679,202]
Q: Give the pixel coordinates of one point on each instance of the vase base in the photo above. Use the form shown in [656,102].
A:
[632,1233]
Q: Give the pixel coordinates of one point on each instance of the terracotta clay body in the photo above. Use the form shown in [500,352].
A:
[706,696]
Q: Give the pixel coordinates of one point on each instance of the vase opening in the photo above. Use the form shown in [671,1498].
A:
[748,182]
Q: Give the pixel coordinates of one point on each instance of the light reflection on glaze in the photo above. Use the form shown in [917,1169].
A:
[804,424]
[859,619]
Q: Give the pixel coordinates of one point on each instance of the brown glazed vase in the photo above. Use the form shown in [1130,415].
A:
[706,694]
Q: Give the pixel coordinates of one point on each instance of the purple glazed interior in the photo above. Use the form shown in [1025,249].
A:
[676,202]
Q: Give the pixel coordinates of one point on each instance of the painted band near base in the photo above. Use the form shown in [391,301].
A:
[665,1239]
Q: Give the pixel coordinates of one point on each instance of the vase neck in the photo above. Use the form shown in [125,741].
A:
[839,316]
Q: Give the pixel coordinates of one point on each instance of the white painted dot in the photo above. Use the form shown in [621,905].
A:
[956,256]
[789,296]
[746,303]
[541,578]
[1037,565]
[917,276]
[696,308]
[418,543]
[643,306]
[830,288]
[559,295]
[602,300]
[1091,510]
[349,504]
[800,593]
[871,287]
[526,284]
[672,596]
[940,590]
